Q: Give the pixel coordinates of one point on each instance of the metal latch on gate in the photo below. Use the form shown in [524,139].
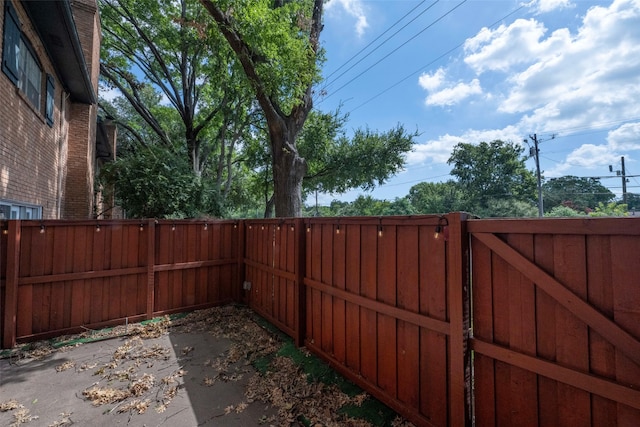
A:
[246,285]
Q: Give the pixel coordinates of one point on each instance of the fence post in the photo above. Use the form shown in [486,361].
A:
[11,286]
[300,290]
[458,291]
[151,263]
[239,295]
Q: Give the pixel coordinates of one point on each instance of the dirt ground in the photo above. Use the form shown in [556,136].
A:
[196,370]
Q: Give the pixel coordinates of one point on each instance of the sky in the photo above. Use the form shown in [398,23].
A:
[567,71]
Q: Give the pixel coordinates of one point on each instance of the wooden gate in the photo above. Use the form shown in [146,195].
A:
[274,268]
[556,322]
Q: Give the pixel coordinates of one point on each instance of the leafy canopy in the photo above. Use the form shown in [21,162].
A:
[493,170]
[581,194]
[337,163]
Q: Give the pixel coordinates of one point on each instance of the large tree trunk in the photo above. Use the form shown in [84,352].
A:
[288,171]
[289,168]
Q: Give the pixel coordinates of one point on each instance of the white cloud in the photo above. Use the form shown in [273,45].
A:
[626,137]
[619,142]
[433,81]
[444,93]
[355,8]
[545,6]
[439,150]
[455,94]
[591,156]
[567,80]
[517,44]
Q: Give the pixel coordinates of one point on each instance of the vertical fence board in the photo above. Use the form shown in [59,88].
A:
[572,334]
[626,306]
[352,285]
[4,233]
[368,317]
[522,333]
[408,298]
[386,292]
[162,279]
[484,378]
[326,276]
[546,333]
[339,281]
[602,354]
[433,345]
[11,283]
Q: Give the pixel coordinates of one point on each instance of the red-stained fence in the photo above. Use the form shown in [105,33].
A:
[381,299]
[556,322]
[548,310]
[61,276]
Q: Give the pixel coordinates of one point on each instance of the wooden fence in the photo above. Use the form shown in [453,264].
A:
[547,310]
[556,322]
[61,277]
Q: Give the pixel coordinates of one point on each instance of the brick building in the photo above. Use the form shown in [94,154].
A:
[51,140]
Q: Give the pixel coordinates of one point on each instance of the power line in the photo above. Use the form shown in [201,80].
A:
[408,76]
[395,50]
[377,38]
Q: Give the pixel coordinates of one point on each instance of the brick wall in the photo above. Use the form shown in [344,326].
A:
[32,155]
[79,188]
[40,165]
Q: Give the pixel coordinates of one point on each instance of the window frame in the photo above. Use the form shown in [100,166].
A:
[20,63]
[49,106]
[19,210]
[31,64]
[11,38]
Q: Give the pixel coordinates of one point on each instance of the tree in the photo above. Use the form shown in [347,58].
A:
[577,193]
[610,209]
[277,43]
[337,163]
[154,183]
[633,200]
[179,77]
[437,198]
[494,170]
[562,211]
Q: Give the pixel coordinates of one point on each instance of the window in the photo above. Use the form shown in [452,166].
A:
[30,82]
[19,61]
[18,210]
[11,44]
[51,92]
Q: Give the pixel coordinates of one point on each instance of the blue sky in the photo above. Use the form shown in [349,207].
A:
[476,70]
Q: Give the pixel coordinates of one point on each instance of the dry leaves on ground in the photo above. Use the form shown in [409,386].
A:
[22,414]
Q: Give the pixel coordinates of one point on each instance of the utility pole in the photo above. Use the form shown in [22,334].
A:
[535,152]
[623,174]
[624,182]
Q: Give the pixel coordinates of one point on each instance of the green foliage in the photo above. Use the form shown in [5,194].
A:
[633,200]
[562,211]
[437,198]
[506,208]
[610,209]
[490,171]
[154,183]
[578,193]
[336,163]
[364,206]
[278,40]
[182,94]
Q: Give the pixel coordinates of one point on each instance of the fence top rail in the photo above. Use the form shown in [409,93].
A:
[92,222]
[625,226]
[358,220]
